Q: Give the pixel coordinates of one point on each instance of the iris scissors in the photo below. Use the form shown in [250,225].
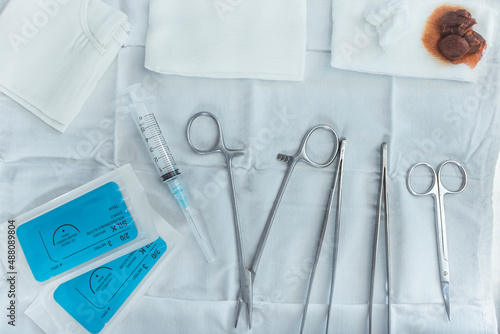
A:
[245,276]
[300,156]
[438,190]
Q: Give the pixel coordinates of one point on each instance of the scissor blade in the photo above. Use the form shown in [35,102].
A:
[445,286]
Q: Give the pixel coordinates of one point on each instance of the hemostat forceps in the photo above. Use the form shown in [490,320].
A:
[438,190]
[245,295]
[337,185]
[292,161]
[383,200]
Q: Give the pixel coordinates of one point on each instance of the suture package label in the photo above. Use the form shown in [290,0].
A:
[94,297]
[76,232]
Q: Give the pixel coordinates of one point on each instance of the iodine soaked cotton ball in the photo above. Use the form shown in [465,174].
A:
[456,23]
[476,41]
[454,47]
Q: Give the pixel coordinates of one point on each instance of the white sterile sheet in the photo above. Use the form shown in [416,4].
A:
[421,119]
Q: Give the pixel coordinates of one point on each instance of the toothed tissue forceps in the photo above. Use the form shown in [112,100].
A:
[382,212]
[438,190]
[291,161]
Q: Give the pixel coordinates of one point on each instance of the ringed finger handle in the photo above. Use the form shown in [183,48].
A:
[431,189]
[462,170]
[219,144]
[303,148]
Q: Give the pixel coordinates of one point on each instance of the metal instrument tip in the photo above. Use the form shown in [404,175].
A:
[249,314]
[237,314]
[446,296]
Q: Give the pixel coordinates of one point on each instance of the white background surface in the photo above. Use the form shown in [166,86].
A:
[193,297]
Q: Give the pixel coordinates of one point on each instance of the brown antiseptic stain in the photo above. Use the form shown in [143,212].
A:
[432,36]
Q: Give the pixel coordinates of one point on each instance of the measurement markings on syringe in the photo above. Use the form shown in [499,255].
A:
[152,128]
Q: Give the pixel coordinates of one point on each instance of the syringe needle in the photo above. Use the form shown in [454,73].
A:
[179,195]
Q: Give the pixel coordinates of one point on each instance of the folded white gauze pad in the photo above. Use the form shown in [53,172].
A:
[392,18]
[356,43]
[55,51]
[257,39]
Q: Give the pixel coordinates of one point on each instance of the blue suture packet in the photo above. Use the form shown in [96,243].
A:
[94,297]
[76,232]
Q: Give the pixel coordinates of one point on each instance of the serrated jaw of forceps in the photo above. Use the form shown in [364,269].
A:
[284,158]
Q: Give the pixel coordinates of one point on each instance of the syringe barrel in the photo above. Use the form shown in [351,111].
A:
[155,142]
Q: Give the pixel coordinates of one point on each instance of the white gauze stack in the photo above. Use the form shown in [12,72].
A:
[356,44]
[228,38]
[55,51]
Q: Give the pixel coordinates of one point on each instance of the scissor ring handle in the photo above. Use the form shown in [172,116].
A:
[219,145]
[431,189]
[303,148]
[462,170]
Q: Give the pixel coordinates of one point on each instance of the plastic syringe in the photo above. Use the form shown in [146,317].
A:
[169,173]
